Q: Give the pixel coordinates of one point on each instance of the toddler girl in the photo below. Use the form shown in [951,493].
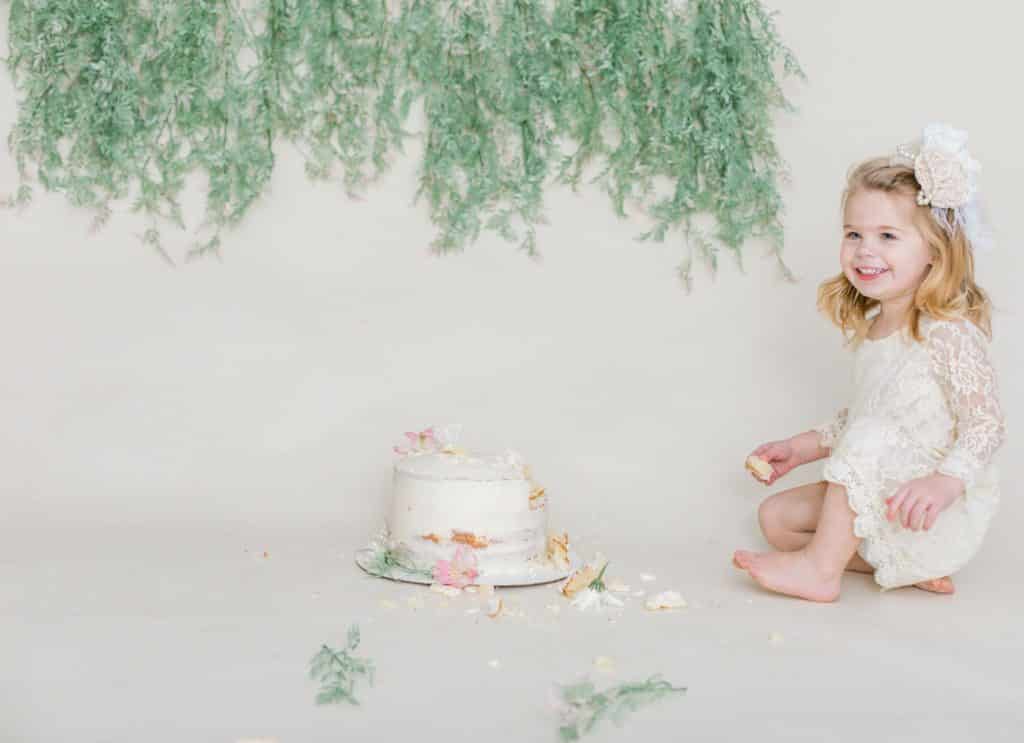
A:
[909,489]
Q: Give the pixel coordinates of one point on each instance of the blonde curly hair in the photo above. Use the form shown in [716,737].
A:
[948,291]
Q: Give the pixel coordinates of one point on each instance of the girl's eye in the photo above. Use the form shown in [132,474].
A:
[852,235]
[888,236]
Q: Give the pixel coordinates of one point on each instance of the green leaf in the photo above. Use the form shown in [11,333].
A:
[338,671]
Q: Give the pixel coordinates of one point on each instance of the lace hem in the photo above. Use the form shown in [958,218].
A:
[891,566]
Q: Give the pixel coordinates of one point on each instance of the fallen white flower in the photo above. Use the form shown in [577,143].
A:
[647,578]
[583,576]
[589,598]
[666,600]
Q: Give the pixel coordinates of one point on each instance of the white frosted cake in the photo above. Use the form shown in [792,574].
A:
[444,499]
[457,518]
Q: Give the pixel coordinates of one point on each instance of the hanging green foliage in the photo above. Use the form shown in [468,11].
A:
[125,98]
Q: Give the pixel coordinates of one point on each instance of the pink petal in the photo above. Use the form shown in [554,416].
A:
[442,572]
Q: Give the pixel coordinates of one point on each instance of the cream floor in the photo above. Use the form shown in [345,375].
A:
[187,632]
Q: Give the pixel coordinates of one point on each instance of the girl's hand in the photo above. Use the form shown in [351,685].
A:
[781,455]
[919,502]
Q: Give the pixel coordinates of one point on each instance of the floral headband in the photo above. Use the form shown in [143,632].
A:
[948,176]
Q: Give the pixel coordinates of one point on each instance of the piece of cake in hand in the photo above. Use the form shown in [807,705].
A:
[760,467]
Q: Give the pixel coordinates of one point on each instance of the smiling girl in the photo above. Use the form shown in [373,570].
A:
[909,488]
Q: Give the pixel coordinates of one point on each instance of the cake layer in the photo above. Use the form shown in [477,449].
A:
[441,501]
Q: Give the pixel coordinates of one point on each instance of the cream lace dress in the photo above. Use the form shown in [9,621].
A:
[918,408]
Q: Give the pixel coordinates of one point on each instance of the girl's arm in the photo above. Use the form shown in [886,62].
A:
[809,446]
[787,454]
[960,363]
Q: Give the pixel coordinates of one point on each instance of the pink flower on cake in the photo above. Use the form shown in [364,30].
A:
[460,571]
[418,442]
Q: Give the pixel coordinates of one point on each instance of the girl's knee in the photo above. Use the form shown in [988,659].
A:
[796,509]
[770,513]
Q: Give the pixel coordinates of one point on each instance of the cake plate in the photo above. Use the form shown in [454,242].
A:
[530,574]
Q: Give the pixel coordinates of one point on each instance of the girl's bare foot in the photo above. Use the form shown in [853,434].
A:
[791,573]
[937,585]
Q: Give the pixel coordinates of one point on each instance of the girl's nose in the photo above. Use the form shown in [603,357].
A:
[864,249]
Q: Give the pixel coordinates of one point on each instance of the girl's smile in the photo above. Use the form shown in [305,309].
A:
[868,273]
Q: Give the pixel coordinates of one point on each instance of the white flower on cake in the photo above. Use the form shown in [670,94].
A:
[447,438]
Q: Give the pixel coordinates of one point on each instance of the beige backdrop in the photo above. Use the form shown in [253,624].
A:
[260,394]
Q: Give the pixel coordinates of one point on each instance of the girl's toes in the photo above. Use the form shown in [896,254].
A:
[741,559]
[938,585]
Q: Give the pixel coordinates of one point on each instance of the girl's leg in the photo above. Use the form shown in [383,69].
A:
[788,520]
[813,572]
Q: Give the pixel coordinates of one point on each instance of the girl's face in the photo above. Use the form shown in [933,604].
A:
[883,254]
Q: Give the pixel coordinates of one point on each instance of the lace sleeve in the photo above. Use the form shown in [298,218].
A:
[829,432]
[960,362]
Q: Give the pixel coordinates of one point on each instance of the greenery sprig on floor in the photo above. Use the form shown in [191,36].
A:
[124,99]
[583,707]
[339,670]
